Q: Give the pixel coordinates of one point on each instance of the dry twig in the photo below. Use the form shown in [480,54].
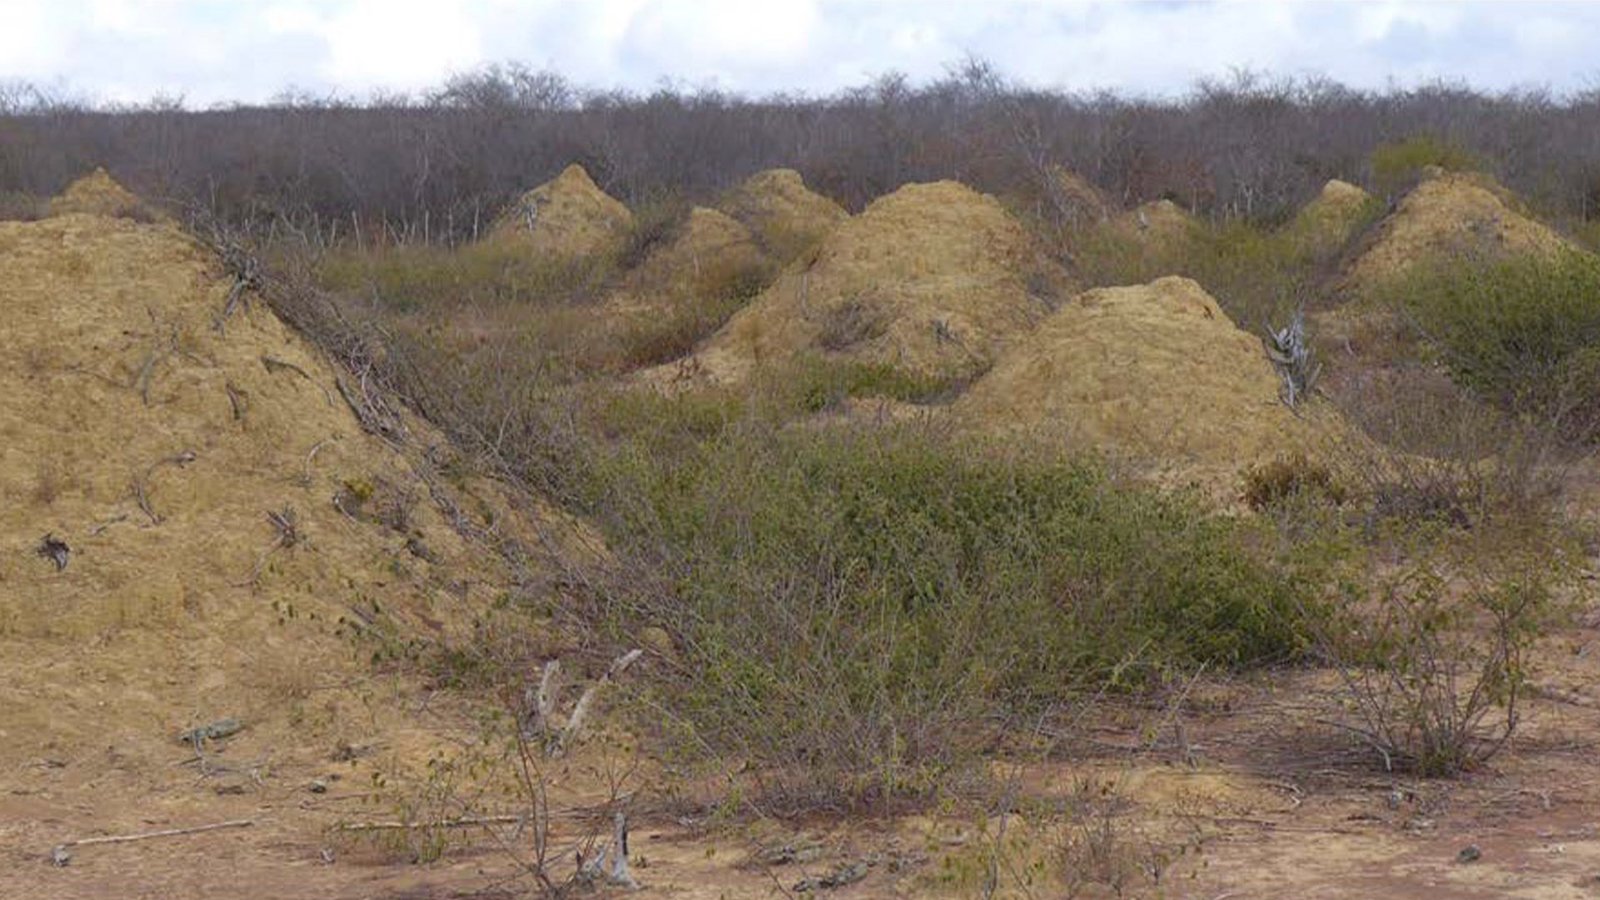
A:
[61,857]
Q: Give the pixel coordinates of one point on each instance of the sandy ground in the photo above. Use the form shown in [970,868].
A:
[1247,794]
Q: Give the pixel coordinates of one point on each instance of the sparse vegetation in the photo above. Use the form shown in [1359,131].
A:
[841,609]
[1436,663]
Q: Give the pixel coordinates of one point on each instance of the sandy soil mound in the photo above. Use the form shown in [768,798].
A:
[1156,222]
[568,216]
[710,252]
[1324,224]
[100,194]
[786,216]
[1155,374]
[195,528]
[1448,213]
[932,280]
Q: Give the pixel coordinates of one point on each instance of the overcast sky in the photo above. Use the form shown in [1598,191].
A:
[224,50]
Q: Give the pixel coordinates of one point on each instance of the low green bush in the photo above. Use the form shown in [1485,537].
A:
[1397,165]
[1522,332]
[861,608]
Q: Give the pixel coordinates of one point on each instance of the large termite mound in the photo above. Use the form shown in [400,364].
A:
[99,194]
[787,217]
[1446,217]
[1159,222]
[1153,374]
[566,217]
[930,281]
[709,253]
[196,526]
[1324,224]
[1074,201]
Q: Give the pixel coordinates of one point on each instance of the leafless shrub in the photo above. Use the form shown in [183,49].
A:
[440,167]
[1436,666]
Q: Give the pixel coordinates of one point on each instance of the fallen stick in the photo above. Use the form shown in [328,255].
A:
[60,856]
[464,822]
[579,813]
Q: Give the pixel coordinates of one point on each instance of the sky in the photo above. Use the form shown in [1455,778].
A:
[218,51]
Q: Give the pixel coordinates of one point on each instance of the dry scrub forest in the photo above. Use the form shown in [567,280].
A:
[954,490]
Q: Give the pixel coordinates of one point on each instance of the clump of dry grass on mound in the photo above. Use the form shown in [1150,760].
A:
[99,194]
[1448,214]
[196,524]
[568,216]
[1323,225]
[786,216]
[1155,374]
[930,281]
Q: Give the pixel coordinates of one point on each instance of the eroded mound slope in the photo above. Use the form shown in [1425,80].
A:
[568,216]
[932,280]
[1448,214]
[1156,374]
[196,527]
[785,215]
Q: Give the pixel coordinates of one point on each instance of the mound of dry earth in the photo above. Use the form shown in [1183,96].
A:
[1324,224]
[567,217]
[99,194]
[786,216]
[195,528]
[710,252]
[932,280]
[1446,215]
[1154,374]
[1156,222]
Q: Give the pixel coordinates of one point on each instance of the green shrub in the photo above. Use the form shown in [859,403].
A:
[1397,165]
[854,607]
[1521,332]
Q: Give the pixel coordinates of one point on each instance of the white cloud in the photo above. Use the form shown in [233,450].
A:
[211,50]
[404,44]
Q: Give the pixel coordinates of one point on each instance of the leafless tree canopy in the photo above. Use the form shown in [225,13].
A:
[1250,146]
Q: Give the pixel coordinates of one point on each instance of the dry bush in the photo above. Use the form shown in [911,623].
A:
[19,206]
[1289,479]
[1436,663]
